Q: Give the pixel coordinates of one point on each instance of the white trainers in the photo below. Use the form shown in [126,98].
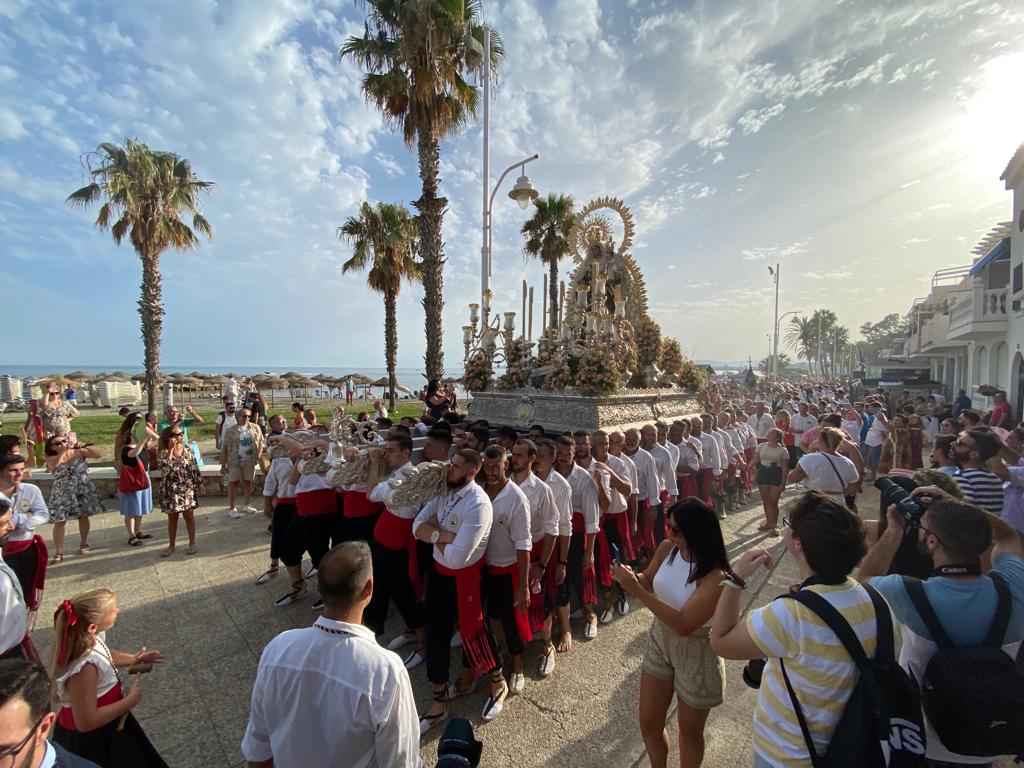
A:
[291,597]
[267,575]
[456,639]
[606,616]
[250,510]
[234,514]
[590,630]
[622,606]
[400,641]
[547,662]
[494,704]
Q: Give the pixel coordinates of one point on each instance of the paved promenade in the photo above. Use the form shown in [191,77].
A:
[212,622]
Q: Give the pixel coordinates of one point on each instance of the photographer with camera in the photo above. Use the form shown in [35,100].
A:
[955,621]
[806,665]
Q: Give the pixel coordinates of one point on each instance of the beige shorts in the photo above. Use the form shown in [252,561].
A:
[246,471]
[697,674]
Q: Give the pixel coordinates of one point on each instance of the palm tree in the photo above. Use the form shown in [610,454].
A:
[145,194]
[414,56]
[765,363]
[800,336]
[547,239]
[383,238]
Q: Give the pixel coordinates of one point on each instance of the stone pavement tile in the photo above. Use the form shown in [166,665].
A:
[202,750]
[230,732]
[172,728]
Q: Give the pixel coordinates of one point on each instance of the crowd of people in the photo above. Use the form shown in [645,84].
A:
[533,529]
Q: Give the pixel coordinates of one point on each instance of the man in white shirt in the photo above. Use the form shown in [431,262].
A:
[544,536]
[13,611]
[458,524]
[508,563]
[689,458]
[25,550]
[614,524]
[330,690]
[667,480]
[561,494]
[710,461]
[877,433]
[225,420]
[761,422]
[230,391]
[395,557]
[279,505]
[735,488]
[648,495]
[616,442]
[728,453]
[586,522]
[662,436]
[798,424]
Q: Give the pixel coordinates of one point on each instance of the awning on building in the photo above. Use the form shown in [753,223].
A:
[1000,252]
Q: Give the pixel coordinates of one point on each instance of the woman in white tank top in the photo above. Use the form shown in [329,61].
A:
[680,586]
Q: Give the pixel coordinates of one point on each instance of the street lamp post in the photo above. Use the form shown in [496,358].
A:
[775,345]
[523,192]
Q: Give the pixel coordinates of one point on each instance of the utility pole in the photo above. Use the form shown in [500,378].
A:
[817,355]
[775,344]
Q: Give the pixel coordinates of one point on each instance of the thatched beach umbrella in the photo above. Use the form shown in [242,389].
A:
[272,383]
[79,375]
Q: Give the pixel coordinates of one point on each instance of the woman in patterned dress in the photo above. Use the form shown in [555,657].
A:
[180,486]
[73,495]
[55,415]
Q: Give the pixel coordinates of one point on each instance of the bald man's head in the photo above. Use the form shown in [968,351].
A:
[345,577]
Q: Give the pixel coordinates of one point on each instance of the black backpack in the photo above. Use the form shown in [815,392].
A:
[881,726]
[973,695]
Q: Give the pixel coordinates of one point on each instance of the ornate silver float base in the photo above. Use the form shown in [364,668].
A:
[561,412]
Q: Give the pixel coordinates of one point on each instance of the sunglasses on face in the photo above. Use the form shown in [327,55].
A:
[177,434]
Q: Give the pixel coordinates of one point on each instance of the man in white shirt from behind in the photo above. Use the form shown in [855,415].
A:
[761,422]
[329,693]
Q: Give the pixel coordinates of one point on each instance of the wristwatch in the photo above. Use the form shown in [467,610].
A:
[435,536]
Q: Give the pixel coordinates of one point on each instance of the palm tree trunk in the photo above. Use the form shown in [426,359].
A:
[553,291]
[390,344]
[151,311]
[431,208]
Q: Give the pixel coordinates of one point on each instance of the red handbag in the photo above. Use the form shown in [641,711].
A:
[132,478]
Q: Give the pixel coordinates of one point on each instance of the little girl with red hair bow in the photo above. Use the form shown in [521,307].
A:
[95,720]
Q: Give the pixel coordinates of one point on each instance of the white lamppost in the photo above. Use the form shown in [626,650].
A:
[523,192]
[774,367]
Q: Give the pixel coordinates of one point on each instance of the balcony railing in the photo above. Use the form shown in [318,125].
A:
[980,311]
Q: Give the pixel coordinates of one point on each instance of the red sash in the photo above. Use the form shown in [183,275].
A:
[287,501]
[687,485]
[705,480]
[663,497]
[395,532]
[471,615]
[42,557]
[67,719]
[522,617]
[621,522]
[538,612]
[358,504]
[646,525]
[322,501]
[589,578]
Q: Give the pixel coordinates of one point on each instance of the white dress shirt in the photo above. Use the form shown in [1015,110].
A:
[648,484]
[736,440]
[561,492]
[13,613]
[29,511]
[617,503]
[800,424]
[712,454]
[666,469]
[383,490]
[465,512]
[543,512]
[725,448]
[747,435]
[761,424]
[330,695]
[276,482]
[688,458]
[631,468]
[673,449]
[510,526]
[584,498]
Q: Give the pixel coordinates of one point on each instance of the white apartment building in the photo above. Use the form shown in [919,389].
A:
[970,326]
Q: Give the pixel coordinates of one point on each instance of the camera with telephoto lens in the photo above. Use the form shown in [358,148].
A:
[752,672]
[911,508]
[457,747]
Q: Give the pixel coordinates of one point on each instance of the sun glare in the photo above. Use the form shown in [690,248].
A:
[993,124]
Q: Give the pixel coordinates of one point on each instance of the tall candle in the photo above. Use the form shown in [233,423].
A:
[529,323]
[544,306]
[522,333]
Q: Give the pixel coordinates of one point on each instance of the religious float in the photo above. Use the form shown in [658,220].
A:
[603,365]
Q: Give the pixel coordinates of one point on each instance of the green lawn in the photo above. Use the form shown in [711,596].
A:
[99,426]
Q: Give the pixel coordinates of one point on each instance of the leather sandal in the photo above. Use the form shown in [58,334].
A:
[429,721]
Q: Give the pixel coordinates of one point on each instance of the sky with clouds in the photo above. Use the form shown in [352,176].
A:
[859,144]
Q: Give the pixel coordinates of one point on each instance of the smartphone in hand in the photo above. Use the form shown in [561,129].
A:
[616,557]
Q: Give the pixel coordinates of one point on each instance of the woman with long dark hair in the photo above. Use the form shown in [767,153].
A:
[135,491]
[681,587]
[436,399]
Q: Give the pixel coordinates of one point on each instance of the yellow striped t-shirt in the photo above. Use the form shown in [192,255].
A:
[821,671]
